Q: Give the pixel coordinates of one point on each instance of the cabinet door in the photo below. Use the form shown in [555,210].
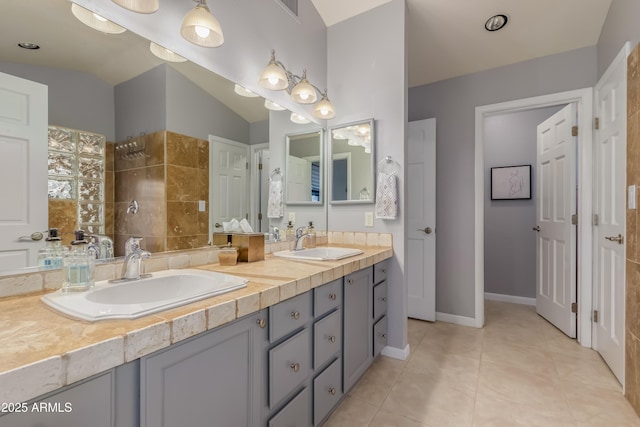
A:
[358,312]
[211,379]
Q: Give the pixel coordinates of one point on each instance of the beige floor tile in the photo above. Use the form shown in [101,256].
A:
[594,405]
[528,358]
[386,419]
[446,368]
[375,384]
[495,412]
[572,368]
[352,413]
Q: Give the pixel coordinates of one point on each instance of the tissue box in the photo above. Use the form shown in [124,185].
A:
[250,246]
[221,239]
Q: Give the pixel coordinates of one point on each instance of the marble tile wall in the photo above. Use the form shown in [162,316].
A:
[632,333]
[63,215]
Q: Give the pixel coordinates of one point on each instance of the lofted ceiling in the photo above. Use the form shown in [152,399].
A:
[446,38]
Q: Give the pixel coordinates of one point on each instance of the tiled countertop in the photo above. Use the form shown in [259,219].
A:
[41,350]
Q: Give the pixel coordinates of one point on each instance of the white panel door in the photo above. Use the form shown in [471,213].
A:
[298,180]
[229,183]
[555,204]
[421,214]
[610,149]
[23,169]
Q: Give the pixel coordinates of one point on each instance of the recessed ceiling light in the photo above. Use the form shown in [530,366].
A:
[29,45]
[496,22]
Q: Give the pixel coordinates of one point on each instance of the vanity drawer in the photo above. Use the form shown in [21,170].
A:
[289,315]
[289,366]
[327,338]
[379,300]
[326,391]
[295,414]
[327,297]
[379,336]
[380,271]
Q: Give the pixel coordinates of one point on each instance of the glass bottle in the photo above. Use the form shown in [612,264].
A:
[290,235]
[53,253]
[78,265]
[310,240]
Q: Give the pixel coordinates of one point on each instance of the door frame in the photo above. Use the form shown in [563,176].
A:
[254,187]
[583,98]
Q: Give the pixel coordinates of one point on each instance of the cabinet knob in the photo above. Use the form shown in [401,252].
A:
[384,271]
[295,314]
[262,323]
[383,335]
[383,299]
[333,296]
[295,367]
[332,338]
[332,391]
[349,281]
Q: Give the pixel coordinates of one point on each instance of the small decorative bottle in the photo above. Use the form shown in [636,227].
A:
[310,240]
[78,266]
[53,253]
[290,235]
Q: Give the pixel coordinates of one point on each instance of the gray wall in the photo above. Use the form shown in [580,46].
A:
[76,100]
[620,26]
[259,132]
[509,241]
[452,102]
[367,77]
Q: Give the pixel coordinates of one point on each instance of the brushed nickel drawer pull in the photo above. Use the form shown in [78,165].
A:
[332,338]
[384,271]
[332,296]
[349,281]
[332,391]
[295,367]
[262,323]
[295,314]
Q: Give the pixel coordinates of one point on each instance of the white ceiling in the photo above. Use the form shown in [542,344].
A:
[446,38]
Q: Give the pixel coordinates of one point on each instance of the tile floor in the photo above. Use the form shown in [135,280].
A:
[517,371]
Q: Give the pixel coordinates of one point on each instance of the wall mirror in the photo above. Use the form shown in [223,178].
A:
[351,169]
[86,81]
[304,168]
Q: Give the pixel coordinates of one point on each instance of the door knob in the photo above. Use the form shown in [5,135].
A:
[34,237]
[536,228]
[619,238]
[217,225]
[426,230]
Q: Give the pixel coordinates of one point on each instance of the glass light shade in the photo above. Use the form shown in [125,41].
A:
[324,109]
[165,54]
[270,105]
[338,135]
[201,28]
[299,119]
[140,6]
[273,77]
[243,91]
[304,93]
[94,21]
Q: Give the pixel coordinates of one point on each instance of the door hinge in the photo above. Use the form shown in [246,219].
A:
[574,307]
[596,219]
[247,164]
[246,216]
[595,316]
[260,166]
[574,219]
[260,216]
[596,123]
[574,131]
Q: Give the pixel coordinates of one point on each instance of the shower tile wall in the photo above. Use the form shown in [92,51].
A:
[109,177]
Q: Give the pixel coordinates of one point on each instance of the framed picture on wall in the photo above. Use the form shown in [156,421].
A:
[511,182]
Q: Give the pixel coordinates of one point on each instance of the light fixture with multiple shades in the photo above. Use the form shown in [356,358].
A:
[140,6]
[299,119]
[165,54]
[275,76]
[243,91]
[270,105]
[200,27]
[95,21]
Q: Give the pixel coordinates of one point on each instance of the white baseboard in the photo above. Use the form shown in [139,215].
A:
[458,320]
[396,353]
[510,298]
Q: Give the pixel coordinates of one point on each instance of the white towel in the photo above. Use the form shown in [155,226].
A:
[276,207]
[386,196]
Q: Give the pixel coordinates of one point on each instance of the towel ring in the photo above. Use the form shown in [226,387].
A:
[388,166]
[275,176]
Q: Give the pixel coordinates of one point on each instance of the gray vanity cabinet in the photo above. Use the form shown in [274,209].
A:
[212,379]
[379,307]
[358,315]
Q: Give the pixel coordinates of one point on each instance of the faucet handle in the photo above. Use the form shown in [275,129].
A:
[132,244]
[300,231]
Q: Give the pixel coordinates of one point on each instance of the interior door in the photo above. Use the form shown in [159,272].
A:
[229,185]
[610,149]
[23,169]
[555,205]
[421,213]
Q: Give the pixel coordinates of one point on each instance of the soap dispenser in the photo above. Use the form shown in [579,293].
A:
[310,241]
[290,235]
[78,265]
[53,253]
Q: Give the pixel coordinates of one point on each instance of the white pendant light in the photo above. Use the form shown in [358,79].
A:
[95,21]
[273,76]
[165,54]
[243,91]
[324,109]
[304,92]
[201,28]
[299,119]
[270,105]
[140,6]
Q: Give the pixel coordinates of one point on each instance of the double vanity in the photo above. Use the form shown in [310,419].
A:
[281,350]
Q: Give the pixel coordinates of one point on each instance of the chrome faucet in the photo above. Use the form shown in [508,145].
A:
[300,236]
[134,254]
[102,246]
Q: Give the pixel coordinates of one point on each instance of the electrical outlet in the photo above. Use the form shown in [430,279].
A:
[632,197]
[202,206]
[292,217]
[368,219]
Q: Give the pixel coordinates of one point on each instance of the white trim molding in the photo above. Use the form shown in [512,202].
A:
[510,298]
[458,320]
[396,353]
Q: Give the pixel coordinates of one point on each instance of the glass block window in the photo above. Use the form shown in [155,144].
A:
[76,172]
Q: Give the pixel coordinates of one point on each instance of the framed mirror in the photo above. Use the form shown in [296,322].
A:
[304,168]
[351,168]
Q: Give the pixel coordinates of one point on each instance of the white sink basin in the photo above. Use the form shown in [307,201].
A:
[320,253]
[136,298]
